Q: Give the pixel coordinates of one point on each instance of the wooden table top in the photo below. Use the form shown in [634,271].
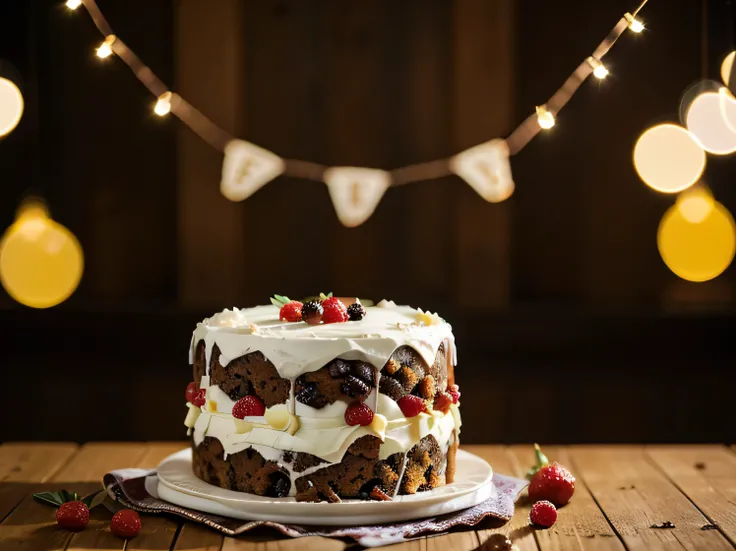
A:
[621,492]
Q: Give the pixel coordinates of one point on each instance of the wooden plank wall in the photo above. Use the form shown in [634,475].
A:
[370,84]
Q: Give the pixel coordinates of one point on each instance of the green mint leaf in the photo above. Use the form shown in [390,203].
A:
[48,498]
[323,296]
[95,499]
[69,496]
[542,461]
[279,301]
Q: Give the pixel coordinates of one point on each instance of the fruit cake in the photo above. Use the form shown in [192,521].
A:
[324,400]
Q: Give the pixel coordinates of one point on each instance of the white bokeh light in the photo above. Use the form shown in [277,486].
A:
[11,106]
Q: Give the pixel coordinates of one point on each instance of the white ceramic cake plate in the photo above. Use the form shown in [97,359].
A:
[177,484]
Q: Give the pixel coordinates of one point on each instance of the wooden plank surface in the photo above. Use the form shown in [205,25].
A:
[518,529]
[580,526]
[620,492]
[635,496]
[707,476]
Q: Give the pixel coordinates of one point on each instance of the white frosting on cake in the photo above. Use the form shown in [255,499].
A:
[297,348]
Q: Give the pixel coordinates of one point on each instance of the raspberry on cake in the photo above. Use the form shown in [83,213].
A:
[355,402]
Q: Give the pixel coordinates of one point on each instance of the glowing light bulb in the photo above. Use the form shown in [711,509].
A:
[697,251]
[635,26]
[695,203]
[163,105]
[41,262]
[599,70]
[726,67]
[545,119]
[105,49]
[11,106]
[73,4]
[668,158]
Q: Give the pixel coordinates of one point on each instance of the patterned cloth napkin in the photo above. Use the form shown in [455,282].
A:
[128,487]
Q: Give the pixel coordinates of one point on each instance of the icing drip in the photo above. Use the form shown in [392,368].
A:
[297,348]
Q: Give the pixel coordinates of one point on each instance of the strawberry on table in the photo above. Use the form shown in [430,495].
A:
[125,524]
[550,482]
[72,515]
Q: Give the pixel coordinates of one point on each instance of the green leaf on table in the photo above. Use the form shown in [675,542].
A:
[95,499]
[69,496]
[49,498]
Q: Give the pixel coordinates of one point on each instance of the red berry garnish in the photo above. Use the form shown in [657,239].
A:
[125,523]
[411,405]
[249,406]
[442,402]
[454,391]
[199,398]
[334,311]
[543,514]
[358,413]
[291,311]
[312,312]
[72,515]
[191,393]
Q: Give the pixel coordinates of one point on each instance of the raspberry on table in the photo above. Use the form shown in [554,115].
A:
[334,311]
[249,406]
[72,515]
[356,312]
[358,413]
[312,312]
[411,406]
[291,311]
[125,524]
[543,514]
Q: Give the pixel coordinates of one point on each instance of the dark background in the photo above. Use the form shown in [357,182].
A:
[569,326]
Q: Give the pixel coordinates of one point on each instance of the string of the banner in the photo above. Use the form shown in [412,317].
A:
[217,137]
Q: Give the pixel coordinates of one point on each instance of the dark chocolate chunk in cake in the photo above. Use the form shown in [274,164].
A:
[250,374]
[338,380]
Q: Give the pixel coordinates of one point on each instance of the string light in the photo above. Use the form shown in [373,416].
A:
[545,119]
[635,26]
[105,49]
[11,106]
[73,4]
[599,70]
[163,105]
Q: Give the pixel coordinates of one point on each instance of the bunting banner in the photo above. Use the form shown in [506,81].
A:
[356,191]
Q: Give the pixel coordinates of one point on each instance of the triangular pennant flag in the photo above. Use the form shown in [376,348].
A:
[356,192]
[487,169]
[246,169]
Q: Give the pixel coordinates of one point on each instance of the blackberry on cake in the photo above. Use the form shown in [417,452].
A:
[324,410]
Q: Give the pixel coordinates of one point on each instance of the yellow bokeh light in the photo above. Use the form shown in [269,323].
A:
[697,251]
[726,67]
[695,203]
[711,118]
[41,262]
[668,158]
[11,106]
